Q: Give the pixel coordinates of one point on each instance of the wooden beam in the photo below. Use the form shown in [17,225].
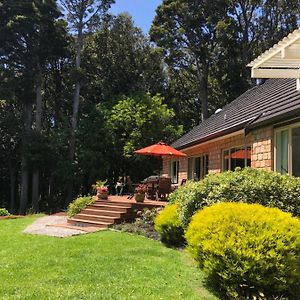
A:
[275,73]
[290,54]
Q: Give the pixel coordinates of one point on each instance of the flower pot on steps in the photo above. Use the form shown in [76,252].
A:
[139,197]
[102,193]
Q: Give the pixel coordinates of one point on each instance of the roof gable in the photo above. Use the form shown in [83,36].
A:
[280,61]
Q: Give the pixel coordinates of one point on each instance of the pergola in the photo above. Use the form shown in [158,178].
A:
[280,61]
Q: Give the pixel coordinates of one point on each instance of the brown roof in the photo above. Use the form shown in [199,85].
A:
[274,101]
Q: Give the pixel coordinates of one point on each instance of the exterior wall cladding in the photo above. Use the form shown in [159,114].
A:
[260,140]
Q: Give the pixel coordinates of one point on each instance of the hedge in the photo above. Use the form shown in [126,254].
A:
[248,185]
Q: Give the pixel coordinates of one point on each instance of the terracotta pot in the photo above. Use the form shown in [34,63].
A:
[103,195]
[139,197]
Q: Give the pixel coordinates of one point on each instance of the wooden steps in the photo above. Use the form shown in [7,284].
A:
[104,213]
[82,223]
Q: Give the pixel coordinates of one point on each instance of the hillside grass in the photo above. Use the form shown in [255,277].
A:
[103,265]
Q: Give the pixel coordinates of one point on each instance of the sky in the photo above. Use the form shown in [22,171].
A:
[142,11]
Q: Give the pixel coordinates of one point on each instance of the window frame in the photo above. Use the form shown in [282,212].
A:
[277,130]
[204,158]
[229,153]
[177,170]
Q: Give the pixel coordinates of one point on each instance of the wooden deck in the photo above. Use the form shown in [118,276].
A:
[146,203]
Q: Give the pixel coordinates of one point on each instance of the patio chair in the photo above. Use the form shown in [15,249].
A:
[164,188]
[131,187]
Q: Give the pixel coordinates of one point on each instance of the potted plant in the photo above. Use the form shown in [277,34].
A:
[102,190]
[139,193]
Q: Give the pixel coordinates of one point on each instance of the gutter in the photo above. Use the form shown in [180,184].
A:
[288,117]
[215,135]
[247,128]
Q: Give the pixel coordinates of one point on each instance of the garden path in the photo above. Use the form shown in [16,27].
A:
[52,226]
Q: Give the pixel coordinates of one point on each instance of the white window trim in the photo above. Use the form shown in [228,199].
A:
[177,171]
[290,148]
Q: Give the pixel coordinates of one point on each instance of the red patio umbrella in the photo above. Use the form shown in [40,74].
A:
[240,154]
[160,149]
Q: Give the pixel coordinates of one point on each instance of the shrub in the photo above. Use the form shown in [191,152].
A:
[4,212]
[143,224]
[78,205]
[248,185]
[247,249]
[168,225]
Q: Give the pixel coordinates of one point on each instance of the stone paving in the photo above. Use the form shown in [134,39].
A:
[46,226]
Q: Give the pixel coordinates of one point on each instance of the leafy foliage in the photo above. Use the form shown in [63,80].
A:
[247,185]
[140,120]
[143,224]
[247,249]
[4,212]
[119,60]
[135,122]
[78,205]
[169,227]
[207,45]
[99,183]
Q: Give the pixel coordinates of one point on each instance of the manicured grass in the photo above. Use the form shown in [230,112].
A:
[103,265]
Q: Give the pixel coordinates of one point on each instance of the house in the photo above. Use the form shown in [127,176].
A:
[261,128]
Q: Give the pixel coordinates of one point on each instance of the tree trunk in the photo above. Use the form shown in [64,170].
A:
[38,128]
[202,81]
[74,121]
[24,161]
[12,177]
[35,190]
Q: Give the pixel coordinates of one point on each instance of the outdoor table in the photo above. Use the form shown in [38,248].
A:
[152,184]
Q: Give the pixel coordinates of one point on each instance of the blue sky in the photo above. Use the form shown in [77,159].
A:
[142,11]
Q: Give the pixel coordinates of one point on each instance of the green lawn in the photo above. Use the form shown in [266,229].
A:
[103,265]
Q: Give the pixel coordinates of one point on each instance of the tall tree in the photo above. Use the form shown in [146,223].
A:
[82,16]
[50,43]
[209,43]
[260,24]
[27,37]
[10,133]
[119,59]
[187,30]
[135,122]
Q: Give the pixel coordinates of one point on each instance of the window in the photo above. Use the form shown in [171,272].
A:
[197,167]
[236,157]
[287,145]
[282,139]
[174,171]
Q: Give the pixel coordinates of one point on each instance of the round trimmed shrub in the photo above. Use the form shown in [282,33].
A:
[168,225]
[247,249]
[248,185]
[78,205]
